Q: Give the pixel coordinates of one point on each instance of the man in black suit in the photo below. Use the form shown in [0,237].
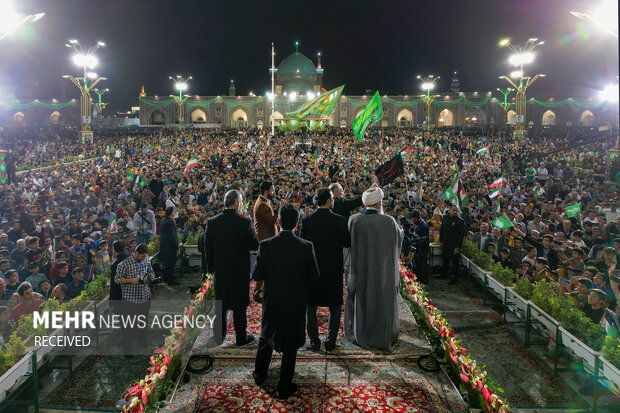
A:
[341,206]
[329,234]
[168,245]
[451,236]
[228,242]
[287,265]
[118,251]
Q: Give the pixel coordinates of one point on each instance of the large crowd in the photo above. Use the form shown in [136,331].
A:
[58,225]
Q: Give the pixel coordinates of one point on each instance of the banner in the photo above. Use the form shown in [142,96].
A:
[371,114]
[323,105]
[390,170]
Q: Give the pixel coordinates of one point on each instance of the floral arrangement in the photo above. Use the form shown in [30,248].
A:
[164,364]
[473,378]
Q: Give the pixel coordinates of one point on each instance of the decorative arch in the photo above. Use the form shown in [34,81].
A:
[157,118]
[343,123]
[404,118]
[446,118]
[18,118]
[54,118]
[276,116]
[239,118]
[475,116]
[259,124]
[511,117]
[549,118]
[198,116]
[331,120]
[384,123]
[587,118]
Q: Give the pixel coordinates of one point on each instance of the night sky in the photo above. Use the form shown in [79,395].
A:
[365,45]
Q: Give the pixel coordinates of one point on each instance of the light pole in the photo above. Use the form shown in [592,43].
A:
[100,105]
[181,85]
[428,83]
[10,20]
[521,56]
[86,60]
[505,106]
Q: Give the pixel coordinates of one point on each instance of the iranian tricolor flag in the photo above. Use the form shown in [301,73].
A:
[497,182]
[174,160]
[113,225]
[483,150]
[406,152]
[235,144]
[214,196]
[495,192]
[427,149]
[192,163]
[456,192]
[317,160]
[51,250]
[498,208]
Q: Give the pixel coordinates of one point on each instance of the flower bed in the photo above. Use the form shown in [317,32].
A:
[15,363]
[143,395]
[582,336]
[474,380]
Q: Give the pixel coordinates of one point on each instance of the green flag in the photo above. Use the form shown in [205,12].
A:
[130,177]
[502,222]
[573,210]
[323,105]
[371,114]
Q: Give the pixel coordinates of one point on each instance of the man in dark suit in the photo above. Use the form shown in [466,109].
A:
[341,206]
[288,267]
[329,234]
[451,236]
[229,240]
[168,245]
[118,251]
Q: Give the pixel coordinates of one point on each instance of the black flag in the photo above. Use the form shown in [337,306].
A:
[387,172]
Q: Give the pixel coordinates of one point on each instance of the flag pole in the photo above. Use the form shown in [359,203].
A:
[273,96]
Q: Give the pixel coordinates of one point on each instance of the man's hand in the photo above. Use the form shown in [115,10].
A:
[135,281]
[457,251]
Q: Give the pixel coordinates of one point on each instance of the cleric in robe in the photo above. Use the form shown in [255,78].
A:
[371,317]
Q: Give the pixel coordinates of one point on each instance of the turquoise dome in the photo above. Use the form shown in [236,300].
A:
[296,66]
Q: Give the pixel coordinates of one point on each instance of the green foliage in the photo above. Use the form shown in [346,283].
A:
[97,289]
[154,245]
[542,293]
[502,274]
[569,316]
[469,248]
[611,350]
[15,350]
[481,259]
[25,327]
[524,288]
[192,238]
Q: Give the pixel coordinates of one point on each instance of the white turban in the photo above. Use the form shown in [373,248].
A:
[372,196]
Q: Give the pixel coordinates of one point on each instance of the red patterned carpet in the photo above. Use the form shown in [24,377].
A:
[350,379]
[330,399]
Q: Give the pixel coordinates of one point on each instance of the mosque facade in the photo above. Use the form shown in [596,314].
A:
[298,79]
